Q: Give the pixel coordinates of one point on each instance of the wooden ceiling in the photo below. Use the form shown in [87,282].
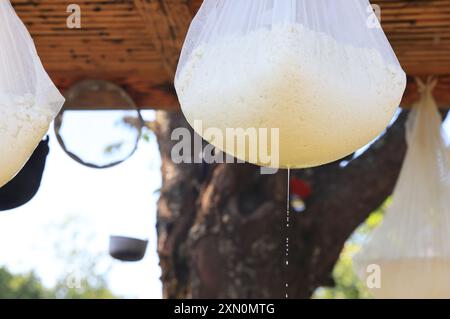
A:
[136,43]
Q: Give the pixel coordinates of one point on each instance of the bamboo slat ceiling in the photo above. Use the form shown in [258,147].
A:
[135,43]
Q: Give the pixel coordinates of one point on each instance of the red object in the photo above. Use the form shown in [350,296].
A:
[300,188]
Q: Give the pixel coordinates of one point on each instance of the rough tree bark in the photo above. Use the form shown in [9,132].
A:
[222,228]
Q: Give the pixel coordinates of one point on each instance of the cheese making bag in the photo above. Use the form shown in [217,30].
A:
[322,72]
[28,99]
[411,248]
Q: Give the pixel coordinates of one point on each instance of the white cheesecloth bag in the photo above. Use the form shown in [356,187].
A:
[28,99]
[322,72]
[412,245]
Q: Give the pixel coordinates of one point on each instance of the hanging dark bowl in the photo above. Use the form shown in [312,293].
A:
[24,186]
[126,248]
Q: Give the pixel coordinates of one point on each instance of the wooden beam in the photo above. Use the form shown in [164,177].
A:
[145,92]
[139,86]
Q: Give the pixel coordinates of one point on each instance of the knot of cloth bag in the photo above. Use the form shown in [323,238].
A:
[425,102]
[428,87]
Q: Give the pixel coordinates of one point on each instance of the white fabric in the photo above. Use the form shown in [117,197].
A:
[316,70]
[28,99]
[412,245]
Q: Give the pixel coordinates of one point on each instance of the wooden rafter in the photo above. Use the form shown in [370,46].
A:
[167,23]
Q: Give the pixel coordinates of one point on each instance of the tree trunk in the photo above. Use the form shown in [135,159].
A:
[222,228]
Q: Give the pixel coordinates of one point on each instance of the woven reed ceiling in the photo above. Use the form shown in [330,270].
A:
[135,43]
